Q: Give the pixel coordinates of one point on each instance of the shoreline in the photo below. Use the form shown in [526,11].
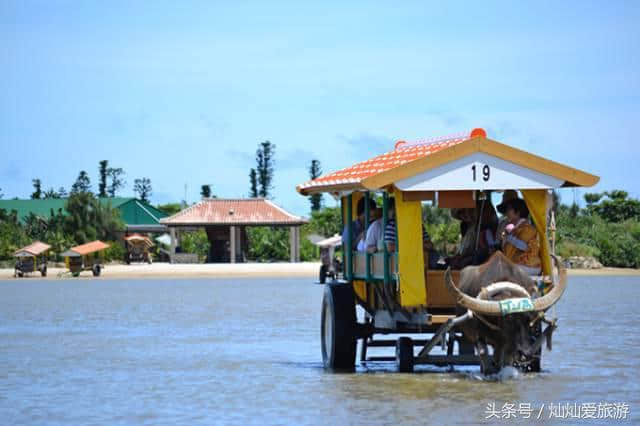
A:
[239,270]
[200,270]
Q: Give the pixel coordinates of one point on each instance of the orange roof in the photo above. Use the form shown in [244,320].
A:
[249,211]
[404,152]
[91,247]
[411,158]
[34,248]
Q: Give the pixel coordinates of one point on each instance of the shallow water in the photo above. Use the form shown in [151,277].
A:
[247,351]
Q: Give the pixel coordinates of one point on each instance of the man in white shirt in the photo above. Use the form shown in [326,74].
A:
[375,233]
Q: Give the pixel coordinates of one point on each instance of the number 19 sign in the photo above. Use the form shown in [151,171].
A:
[478,171]
[486,172]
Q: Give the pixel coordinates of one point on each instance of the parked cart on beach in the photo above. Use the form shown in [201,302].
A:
[401,291]
[138,247]
[31,258]
[85,257]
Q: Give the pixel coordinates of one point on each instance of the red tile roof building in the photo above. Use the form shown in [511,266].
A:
[218,211]
[225,220]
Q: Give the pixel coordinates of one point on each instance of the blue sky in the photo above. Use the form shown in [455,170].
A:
[182,92]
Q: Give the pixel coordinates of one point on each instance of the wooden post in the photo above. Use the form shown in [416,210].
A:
[232,244]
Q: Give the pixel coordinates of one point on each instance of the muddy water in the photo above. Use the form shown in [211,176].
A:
[247,352]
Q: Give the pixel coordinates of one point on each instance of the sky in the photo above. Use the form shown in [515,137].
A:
[183,92]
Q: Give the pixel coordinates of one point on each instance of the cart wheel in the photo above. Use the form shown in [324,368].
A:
[96,270]
[323,274]
[404,354]
[43,271]
[338,327]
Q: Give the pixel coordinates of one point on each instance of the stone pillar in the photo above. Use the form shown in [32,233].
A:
[172,247]
[297,244]
[232,244]
[292,244]
[239,243]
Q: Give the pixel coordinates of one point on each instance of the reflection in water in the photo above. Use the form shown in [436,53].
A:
[247,351]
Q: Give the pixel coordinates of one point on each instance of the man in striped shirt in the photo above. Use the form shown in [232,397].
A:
[390,231]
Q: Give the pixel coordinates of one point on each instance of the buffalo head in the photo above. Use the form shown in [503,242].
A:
[505,304]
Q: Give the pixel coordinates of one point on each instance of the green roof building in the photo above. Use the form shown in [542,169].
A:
[137,215]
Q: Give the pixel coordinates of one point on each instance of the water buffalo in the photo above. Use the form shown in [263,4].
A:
[505,308]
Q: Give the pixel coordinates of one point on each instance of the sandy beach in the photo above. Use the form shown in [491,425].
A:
[226,270]
[208,270]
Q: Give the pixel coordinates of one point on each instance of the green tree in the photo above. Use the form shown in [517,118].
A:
[592,198]
[55,234]
[12,234]
[265,167]
[116,180]
[196,242]
[267,244]
[314,172]
[103,171]
[89,220]
[574,210]
[37,189]
[325,222]
[82,183]
[35,227]
[62,193]
[143,188]
[51,193]
[443,230]
[253,184]
[613,206]
[205,191]
[555,201]
[586,233]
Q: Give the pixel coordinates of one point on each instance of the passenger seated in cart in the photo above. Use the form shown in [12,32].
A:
[466,251]
[390,233]
[357,226]
[520,239]
[473,251]
[374,233]
[507,196]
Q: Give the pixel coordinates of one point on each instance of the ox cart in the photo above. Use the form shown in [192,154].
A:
[85,257]
[137,249]
[31,258]
[423,306]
